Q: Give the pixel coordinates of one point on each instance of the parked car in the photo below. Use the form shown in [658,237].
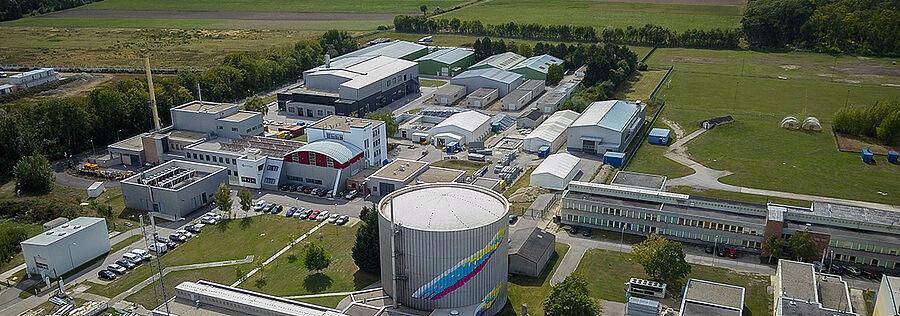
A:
[298,213]
[269,207]
[851,270]
[513,218]
[161,240]
[290,212]
[277,209]
[333,219]
[185,233]
[159,248]
[171,245]
[721,251]
[259,205]
[3,74]
[116,268]
[573,230]
[106,275]
[305,214]
[127,264]
[835,269]
[323,215]
[818,266]
[710,249]
[586,232]
[214,215]
[868,273]
[177,237]
[285,187]
[732,253]
[342,220]
[307,189]
[208,220]
[133,257]
[145,255]
[329,193]
[314,215]
[193,229]
[296,187]
[350,195]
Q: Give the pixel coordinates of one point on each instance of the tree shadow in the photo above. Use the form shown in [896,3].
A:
[317,282]
[362,279]
[245,222]
[292,258]
[223,225]
[260,283]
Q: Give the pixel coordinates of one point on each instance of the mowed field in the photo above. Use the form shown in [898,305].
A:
[746,85]
[703,14]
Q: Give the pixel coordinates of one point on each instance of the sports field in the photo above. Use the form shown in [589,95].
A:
[678,15]
[709,83]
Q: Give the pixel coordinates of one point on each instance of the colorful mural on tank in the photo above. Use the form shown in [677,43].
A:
[461,273]
[488,301]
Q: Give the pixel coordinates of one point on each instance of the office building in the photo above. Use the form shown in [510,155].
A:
[368,135]
[173,189]
[63,248]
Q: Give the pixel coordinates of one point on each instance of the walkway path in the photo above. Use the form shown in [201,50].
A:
[167,270]
[708,178]
[319,295]
[279,253]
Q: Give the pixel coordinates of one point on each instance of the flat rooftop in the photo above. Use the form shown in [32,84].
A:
[486,182]
[855,213]
[186,136]
[640,180]
[723,299]
[62,231]
[212,294]
[400,169]
[798,281]
[437,174]
[481,92]
[715,214]
[304,90]
[239,116]
[204,106]
[268,146]
[133,143]
[174,174]
[344,123]
[611,200]
[832,291]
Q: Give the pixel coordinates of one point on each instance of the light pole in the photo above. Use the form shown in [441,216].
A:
[70,254]
[117,134]
[622,238]
[92,147]
[831,261]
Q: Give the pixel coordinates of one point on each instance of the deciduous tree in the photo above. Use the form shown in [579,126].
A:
[223,199]
[366,251]
[773,246]
[246,199]
[663,260]
[315,258]
[255,104]
[571,297]
[554,74]
[33,174]
[802,246]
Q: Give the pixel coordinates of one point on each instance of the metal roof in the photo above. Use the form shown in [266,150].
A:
[554,126]
[338,150]
[659,132]
[503,61]
[530,244]
[612,114]
[468,120]
[495,74]
[447,56]
[65,230]
[220,294]
[395,49]
[539,63]
[362,70]
[725,299]
[445,206]
[559,165]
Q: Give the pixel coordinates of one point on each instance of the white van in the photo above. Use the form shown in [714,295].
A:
[136,258]
[143,253]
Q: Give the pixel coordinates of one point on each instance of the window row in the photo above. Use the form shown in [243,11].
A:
[660,218]
[863,247]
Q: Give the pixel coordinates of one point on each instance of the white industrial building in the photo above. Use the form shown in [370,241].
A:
[65,247]
[34,78]
[417,127]
[550,101]
[221,119]
[800,290]
[887,301]
[606,126]
[464,127]
[552,132]
[704,298]
[366,134]
[212,299]
[503,61]
[556,171]
[502,80]
[449,94]
[481,97]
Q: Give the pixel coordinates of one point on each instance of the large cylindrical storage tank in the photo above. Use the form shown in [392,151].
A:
[452,247]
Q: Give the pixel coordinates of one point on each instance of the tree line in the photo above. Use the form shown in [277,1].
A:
[56,126]
[14,9]
[881,121]
[869,27]
[649,34]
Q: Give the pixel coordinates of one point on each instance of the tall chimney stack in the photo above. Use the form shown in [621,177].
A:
[327,61]
[152,93]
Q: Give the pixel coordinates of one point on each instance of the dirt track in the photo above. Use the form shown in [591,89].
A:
[697,2]
[221,15]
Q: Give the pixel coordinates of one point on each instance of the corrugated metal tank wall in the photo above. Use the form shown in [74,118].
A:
[426,254]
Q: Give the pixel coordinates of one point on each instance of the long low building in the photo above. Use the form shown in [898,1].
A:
[173,189]
[550,101]
[856,235]
[502,80]
[402,172]
[63,248]
[552,132]
[212,299]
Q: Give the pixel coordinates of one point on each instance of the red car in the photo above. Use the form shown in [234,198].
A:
[307,189]
[314,215]
[732,253]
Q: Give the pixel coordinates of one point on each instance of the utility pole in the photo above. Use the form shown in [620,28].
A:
[152,95]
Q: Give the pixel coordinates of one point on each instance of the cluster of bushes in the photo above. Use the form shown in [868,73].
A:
[14,9]
[870,27]
[57,126]
[646,35]
[9,242]
[881,121]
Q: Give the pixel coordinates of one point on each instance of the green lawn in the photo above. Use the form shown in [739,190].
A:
[329,301]
[150,296]
[396,6]
[32,228]
[209,24]
[287,276]
[640,85]
[762,155]
[532,291]
[432,83]
[601,14]
[262,237]
[467,165]
[605,268]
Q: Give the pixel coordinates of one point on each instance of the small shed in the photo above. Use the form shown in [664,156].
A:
[659,136]
[482,97]
[95,189]
[716,121]
[867,155]
[449,94]
[893,156]
[530,250]
[614,158]
[516,100]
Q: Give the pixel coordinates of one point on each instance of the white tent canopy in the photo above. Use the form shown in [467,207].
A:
[556,171]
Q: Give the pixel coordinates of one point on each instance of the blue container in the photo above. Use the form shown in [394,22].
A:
[659,136]
[893,156]
[452,147]
[544,151]
[867,155]
[614,158]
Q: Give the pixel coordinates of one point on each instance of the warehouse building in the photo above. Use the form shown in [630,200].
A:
[550,101]
[394,49]
[464,127]
[531,119]
[502,61]
[417,127]
[351,86]
[800,291]
[213,299]
[366,134]
[503,81]
[401,173]
[34,78]
[857,236]
[887,300]
[556,171]
[467,272]
[449,94]
[516,100]
[63,248]
[447,62]
[173,189]
[606,126]
[705,298]
[482,97]
[536,67]
[530,250]
[552,132]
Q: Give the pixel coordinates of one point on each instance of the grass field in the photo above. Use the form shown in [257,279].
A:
[150,296]
[532,291]
[640,85]
[761,155]
[601,14]
[603,268]
[395,6]
[32,228]
[209,24]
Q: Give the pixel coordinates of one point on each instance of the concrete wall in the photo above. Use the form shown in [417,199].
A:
[83,246]
[234,129]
